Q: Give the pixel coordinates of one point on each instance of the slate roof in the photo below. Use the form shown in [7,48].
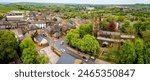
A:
[39,38]
[66,59]
[49,29]
[32,27]
[56,34]
[2,27]
[38,22]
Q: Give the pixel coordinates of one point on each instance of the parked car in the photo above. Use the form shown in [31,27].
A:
[105,44]
[44,35]
[62,50]
[84,58]
[62,42]
[92,58]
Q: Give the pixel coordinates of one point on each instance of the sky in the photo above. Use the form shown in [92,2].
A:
[84,1]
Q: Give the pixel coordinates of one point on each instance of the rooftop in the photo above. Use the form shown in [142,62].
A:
[66,59]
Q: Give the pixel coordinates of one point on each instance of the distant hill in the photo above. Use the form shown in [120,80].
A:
[5,8]
[30,4]
[4,3]
[48,4]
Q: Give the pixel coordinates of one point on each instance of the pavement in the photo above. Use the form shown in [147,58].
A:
[53,58]
[99,61]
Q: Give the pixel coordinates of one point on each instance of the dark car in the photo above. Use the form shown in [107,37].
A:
[62,42]
[44,35]
[84,58]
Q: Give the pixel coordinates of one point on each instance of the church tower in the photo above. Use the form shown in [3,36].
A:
[96,25]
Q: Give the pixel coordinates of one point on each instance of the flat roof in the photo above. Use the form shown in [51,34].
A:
[128,36]
[15,16]
[109,39]
[66,59]
[109,32]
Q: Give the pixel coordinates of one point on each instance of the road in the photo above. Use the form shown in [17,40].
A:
[60,45]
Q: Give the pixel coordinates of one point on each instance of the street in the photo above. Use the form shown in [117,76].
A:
[61,46]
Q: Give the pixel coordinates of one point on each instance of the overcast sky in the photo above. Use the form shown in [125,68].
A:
[84,1]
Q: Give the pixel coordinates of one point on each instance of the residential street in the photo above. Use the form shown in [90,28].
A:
[57,44]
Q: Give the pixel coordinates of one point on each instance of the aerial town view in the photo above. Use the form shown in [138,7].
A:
[74,33]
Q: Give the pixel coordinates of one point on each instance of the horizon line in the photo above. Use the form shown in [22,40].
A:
[77,3]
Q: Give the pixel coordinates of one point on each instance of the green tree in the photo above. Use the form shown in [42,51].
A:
[1,17]
[28,49]
[29,53]
[72,37]
[130,30]
[146,25]
[120,19]
[146,35]
[139,50]
[112,55]
[147,53]
[85,29]
[138,53]
[42,59]
[80,38]
[110,19]
[8,46]
[127,53]
[125,26]
[140,27]
[29,56]
[104,22]
[89,44]
[26,43]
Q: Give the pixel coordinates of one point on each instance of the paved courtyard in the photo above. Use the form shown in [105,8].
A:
[53,58]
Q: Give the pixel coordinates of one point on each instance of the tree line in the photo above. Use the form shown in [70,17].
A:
[135,51]
[131,52]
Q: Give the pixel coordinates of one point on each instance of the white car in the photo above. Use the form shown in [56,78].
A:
[62,50]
